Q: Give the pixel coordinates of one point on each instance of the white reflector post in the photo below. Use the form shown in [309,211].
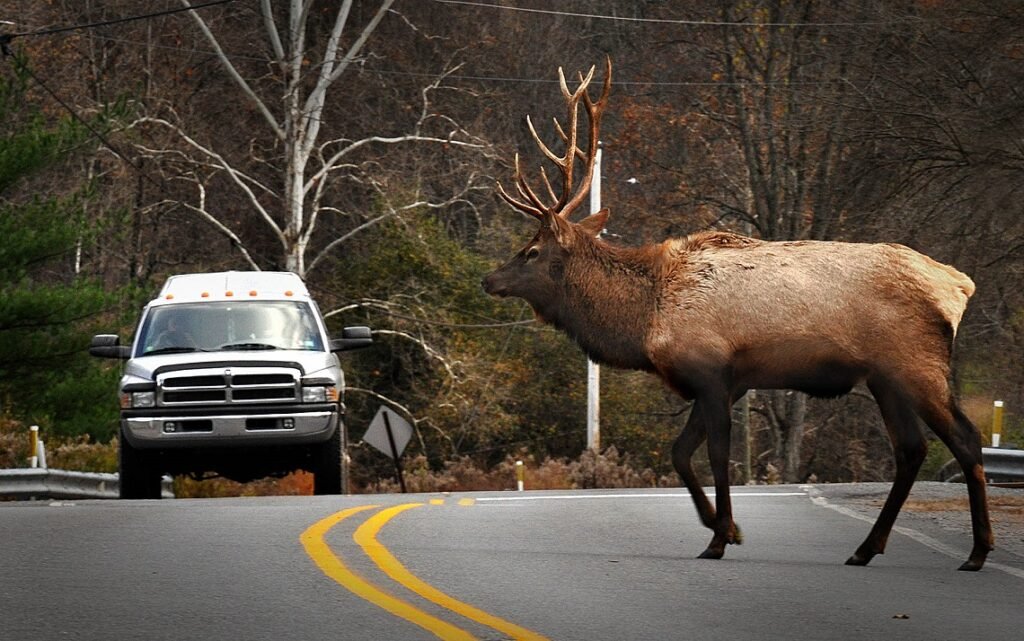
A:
[33,446]
[997,422]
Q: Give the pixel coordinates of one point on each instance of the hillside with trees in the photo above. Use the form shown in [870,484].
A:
[358,144]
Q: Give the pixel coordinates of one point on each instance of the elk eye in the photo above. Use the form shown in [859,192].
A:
[532,253]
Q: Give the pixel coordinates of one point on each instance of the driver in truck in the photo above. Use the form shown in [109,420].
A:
[175,334]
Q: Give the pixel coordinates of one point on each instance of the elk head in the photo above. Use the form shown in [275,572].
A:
[535,272]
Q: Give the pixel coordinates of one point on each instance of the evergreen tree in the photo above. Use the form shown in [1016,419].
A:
[46,308]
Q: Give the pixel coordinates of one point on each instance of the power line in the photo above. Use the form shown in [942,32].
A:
[493,78]
[5,40]
[85,123]
[5,51]
[698,23]
[105,23]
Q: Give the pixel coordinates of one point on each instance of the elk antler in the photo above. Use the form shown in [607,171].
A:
[566,202]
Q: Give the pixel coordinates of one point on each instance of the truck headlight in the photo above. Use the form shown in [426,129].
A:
[143,399]
[319,394]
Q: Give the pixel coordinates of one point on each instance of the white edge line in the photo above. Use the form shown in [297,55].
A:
[808,490]
[819,500]
[661,495]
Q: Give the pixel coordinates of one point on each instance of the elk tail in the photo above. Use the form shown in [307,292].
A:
[948,287]
[952,290]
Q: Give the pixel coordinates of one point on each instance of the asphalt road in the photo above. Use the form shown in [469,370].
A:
[591,565]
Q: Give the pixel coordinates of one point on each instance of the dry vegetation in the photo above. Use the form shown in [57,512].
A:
[1004,507]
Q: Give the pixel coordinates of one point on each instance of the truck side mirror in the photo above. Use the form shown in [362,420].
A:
[352,338]
[109,346]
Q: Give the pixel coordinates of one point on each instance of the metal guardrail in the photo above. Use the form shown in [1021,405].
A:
[43,483]
[1001,466]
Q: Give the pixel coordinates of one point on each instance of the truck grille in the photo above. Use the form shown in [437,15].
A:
[227,386]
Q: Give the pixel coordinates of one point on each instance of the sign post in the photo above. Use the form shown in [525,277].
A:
[394,453]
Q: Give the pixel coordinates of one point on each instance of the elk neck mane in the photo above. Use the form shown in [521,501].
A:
[609,300]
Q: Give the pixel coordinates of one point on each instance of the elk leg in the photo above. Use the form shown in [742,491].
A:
[964,441]
[718,423]
[909,449]
[686,444]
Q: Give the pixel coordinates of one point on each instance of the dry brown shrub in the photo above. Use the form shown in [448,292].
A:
[1009,506]
[298,483]
[81,454]
[14,444]
[606,469]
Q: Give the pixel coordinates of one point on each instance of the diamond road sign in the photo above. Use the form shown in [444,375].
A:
[377,433]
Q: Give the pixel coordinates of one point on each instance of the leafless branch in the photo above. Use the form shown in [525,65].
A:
[233,72]
[210,218]
[239,178]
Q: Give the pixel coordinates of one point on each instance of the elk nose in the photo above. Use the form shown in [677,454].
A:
[487,282]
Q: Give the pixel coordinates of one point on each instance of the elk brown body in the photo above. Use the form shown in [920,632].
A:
[716,314]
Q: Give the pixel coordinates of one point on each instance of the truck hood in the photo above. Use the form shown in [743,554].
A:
[309,362]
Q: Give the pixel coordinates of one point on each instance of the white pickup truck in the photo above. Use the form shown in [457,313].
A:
[233,374]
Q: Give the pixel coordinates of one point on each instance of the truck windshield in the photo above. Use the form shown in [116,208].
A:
[216,326]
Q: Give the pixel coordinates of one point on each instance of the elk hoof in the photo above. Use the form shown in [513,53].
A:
[971,565]
[865,553]
[859,559]
[977,558]
[735,536]
[712,553]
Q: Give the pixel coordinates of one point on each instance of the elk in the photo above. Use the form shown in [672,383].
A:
[716,314]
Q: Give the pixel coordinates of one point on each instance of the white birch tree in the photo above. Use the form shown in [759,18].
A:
[310,157]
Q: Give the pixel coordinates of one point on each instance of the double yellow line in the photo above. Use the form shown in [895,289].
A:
[366,537]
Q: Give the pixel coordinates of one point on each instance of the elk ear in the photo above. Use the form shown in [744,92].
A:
[593,224]
[560,228]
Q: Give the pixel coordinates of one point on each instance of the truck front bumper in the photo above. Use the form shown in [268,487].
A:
[295,425]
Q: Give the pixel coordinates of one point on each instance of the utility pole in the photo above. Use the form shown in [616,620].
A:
[593,369]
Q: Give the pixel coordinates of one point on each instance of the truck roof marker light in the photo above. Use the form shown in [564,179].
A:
[229,293]
[205,294]
[252,292]
[169,296]
[288,293]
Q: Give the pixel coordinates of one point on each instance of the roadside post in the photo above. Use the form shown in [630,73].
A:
[33,446]
[390,433]
[997,422]
[520,476]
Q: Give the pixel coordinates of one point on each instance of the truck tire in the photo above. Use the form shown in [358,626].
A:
[328,473]
[137,478]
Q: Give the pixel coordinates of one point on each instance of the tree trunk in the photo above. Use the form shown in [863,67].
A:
[787,413]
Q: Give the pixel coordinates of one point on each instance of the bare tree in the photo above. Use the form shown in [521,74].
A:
[780,138]
[293,187]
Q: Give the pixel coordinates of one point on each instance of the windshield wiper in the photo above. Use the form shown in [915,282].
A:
[245,346]
[172,350]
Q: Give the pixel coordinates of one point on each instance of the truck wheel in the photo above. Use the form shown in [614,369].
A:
[137,478]
[327,477]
